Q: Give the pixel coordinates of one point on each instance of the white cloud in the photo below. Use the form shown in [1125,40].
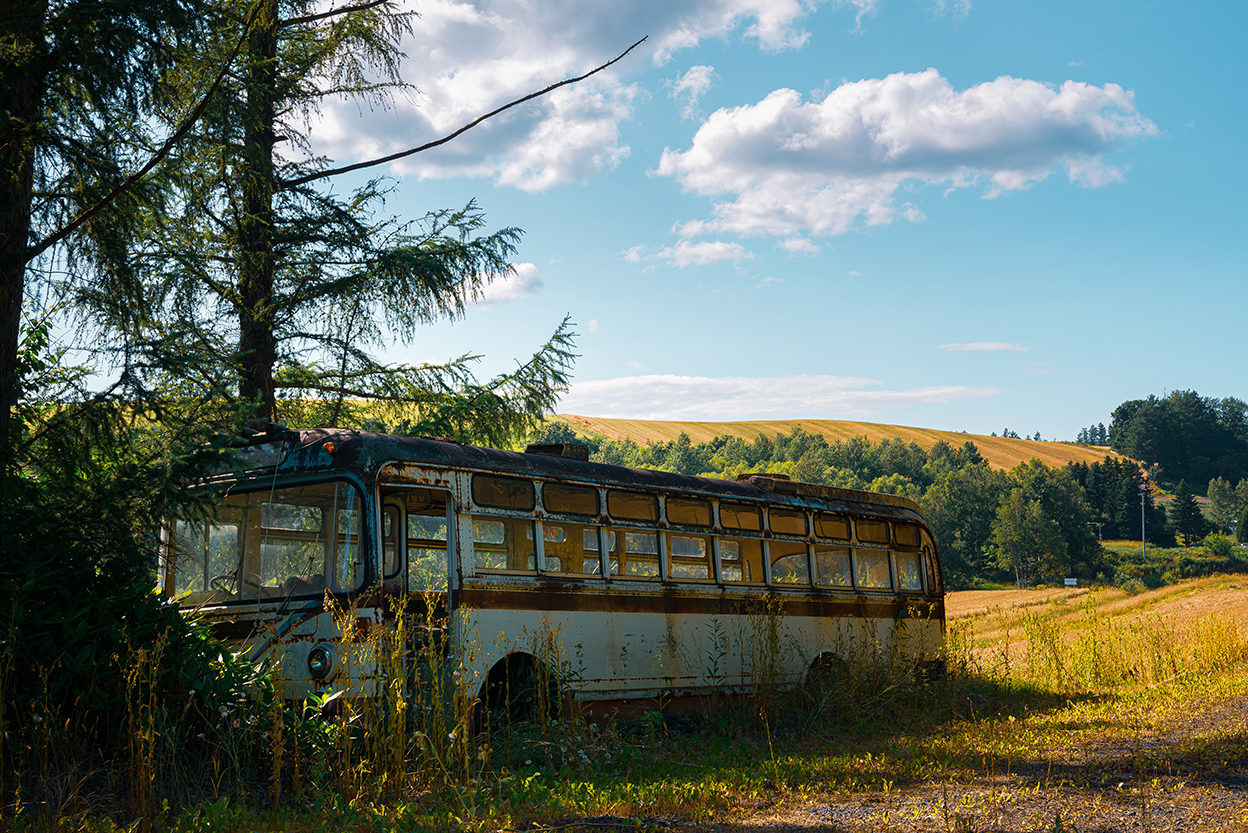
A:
[799,246]
[704,398]
[591,324]
[687,90]
[792,166]
[686,253]
[468,58]
[523,283]
[984,347]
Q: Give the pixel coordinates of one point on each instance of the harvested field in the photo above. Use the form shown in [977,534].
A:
[1000,452]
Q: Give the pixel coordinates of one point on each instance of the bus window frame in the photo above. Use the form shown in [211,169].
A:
[395,488]
[369,544]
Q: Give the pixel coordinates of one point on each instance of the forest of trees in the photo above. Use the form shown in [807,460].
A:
[1031,523]
[1186,436]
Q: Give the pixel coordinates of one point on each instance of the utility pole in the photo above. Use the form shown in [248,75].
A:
[1098,525]
[1143,539]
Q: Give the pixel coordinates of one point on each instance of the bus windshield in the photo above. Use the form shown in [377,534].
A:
[270,544]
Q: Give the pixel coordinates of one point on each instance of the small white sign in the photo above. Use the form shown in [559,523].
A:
[1072,582]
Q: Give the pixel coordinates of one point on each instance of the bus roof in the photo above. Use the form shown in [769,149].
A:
[368,453]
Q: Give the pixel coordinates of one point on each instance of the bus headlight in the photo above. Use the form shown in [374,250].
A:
[321,662]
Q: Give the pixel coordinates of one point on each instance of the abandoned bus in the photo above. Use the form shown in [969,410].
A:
[655,584]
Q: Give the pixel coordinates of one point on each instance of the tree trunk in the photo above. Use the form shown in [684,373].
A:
[21,89]
[257,344]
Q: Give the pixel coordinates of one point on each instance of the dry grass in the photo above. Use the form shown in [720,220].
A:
[1000,452]
[1181,603]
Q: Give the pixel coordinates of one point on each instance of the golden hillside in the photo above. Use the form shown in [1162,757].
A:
[1000,452]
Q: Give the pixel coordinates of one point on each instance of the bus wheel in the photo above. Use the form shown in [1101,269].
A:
[519,689]
[827,680]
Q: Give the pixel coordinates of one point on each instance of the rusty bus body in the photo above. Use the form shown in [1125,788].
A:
[654,585]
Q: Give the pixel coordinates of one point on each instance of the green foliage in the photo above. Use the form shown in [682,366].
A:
[1226,503]
[1027,541]
[1190,437]
[262,278]
[1113,488]
[1185,517]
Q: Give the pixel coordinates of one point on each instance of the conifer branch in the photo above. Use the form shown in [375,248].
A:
[187,123]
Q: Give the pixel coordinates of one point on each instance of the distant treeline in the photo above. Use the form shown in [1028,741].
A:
[1032,523]
[1182,436]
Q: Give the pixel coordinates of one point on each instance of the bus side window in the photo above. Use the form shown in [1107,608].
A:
[689,557]
[832,567]
[503,544]
[741,560]
[426,550]
[641,554]
[571,548]
[390,541]
[871,569]
[909,576]
[789,564]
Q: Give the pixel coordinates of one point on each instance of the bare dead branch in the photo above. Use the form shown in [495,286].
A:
[312,18]
[303,180]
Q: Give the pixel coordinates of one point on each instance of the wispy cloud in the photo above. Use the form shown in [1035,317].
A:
[687,90]
[730,398]
[984,347]
[471,56]
[686,253]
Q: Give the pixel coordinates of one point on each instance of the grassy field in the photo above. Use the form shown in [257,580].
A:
[1062,709]
[1000,452]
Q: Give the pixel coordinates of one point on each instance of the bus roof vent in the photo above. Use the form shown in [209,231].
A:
[571,451]
[767,474]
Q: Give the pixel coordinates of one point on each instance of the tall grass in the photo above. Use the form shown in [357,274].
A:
[1089,651]
[410,735]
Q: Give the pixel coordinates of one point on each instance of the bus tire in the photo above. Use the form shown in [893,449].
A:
[518,689]
[828,675]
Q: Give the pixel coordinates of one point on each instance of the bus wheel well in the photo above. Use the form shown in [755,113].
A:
[827,671]
[520,688]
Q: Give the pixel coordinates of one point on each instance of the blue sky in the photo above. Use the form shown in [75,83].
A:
[967,216]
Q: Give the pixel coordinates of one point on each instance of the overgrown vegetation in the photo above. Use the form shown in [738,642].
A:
[1018,683]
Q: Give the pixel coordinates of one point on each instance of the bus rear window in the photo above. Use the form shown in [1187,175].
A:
[736,516]
[688,512]
[874,532]
[503,492]
[632,506]
[570,500]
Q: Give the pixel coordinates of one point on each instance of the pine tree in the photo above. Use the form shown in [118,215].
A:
[1185,517]
[80,84]
[271,279]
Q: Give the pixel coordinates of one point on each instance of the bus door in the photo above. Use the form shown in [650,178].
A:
[415,526]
